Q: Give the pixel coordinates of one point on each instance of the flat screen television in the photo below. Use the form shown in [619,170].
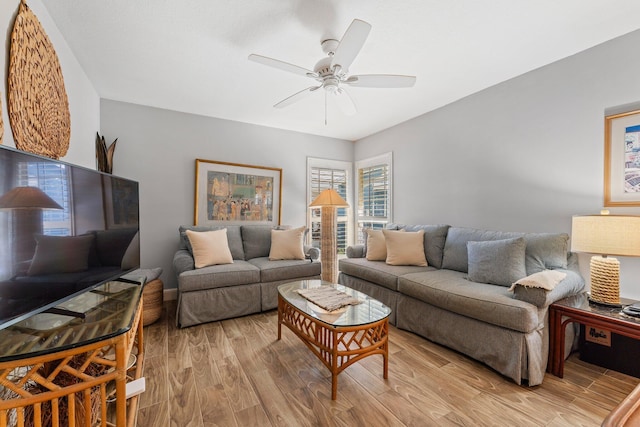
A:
[64,229]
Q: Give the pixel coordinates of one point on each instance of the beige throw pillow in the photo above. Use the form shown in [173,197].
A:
[376,246]
[287,244]
[405,248]
[546,279]
[210,247]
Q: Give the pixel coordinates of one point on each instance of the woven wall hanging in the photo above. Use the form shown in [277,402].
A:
[38,104]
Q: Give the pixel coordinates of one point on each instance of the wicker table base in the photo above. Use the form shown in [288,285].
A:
[336,346]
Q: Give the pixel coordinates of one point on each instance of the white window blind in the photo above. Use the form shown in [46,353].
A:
[374,193]
[325,174]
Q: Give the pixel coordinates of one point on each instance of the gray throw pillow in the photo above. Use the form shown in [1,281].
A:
[60,254]
[498,262]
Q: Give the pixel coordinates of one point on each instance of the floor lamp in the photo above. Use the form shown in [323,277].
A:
[329,200]
[26,205]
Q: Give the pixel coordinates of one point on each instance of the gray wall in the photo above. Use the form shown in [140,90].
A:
[524,155]
[158,148]
[84,103]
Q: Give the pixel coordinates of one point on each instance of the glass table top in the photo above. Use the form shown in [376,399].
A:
[368,311]
[108,311]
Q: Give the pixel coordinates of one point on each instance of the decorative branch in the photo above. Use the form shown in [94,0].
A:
[104,154]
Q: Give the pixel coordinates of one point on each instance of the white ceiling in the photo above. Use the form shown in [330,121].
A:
[191,55]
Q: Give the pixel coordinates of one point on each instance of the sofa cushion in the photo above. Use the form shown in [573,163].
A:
[210,247]
[498,262]
[256,241]
[405,248]
[543,251]
[234,238]
[272,271]
[218,276]
[287,244]
[434,240]
[451,291]
[377,272]
[546,251]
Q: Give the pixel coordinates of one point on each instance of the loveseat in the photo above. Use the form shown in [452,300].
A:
[505,329]
[244,286]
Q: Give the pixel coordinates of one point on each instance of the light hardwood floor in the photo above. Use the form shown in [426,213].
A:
[236,373]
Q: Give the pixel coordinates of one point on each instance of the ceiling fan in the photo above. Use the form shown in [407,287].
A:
[332,73]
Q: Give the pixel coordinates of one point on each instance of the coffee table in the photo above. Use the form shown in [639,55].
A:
[338,338]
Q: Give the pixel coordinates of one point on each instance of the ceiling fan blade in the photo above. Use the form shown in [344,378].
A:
[350,44]
[345,102]
[296,97]
[381,80]
[281,65]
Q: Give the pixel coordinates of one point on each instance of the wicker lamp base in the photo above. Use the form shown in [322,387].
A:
[328,253]
[605,280]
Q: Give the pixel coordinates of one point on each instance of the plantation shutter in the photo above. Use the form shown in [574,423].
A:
[374,194]
[321,179]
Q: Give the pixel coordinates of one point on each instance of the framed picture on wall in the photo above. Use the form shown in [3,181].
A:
[622,159]
[232,193]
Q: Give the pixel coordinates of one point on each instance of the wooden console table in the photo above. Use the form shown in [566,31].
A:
[64,370]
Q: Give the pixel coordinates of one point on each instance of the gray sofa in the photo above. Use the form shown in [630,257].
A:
[248,285]
[506,330]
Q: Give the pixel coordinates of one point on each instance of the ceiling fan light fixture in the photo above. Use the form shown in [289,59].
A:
[331,72]
[331,85]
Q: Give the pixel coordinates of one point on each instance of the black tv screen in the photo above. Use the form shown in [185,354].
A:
[63,229]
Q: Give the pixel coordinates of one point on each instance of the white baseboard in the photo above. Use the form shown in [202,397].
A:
[170,294]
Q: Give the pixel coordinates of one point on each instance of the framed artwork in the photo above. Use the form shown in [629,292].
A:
[232,193]
[622,159]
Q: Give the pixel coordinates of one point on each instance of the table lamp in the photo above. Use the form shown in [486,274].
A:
[606,235]
[329,200]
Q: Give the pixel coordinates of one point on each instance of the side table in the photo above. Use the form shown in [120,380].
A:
[578,309]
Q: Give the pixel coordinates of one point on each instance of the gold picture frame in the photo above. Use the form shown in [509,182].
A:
[234,194]
[622,160]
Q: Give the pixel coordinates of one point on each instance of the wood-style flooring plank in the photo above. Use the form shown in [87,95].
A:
[236,373]
[156,415]
[184,405]
[215,407]
[156,375]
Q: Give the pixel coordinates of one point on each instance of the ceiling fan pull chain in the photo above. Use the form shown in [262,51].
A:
[325,108]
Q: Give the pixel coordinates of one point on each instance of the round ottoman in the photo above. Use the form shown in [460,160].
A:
[152,301]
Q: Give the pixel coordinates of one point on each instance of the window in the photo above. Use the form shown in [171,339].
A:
[374,193]
[324,174]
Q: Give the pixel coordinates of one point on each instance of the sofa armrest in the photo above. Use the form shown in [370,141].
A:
[311,252]
[356,251]
[570,285]
[183,261]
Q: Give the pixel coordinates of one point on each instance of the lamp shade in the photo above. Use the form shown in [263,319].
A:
[27,198]
[329,197]
[617,235]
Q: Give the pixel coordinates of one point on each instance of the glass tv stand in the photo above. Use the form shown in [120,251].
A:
[70,366]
